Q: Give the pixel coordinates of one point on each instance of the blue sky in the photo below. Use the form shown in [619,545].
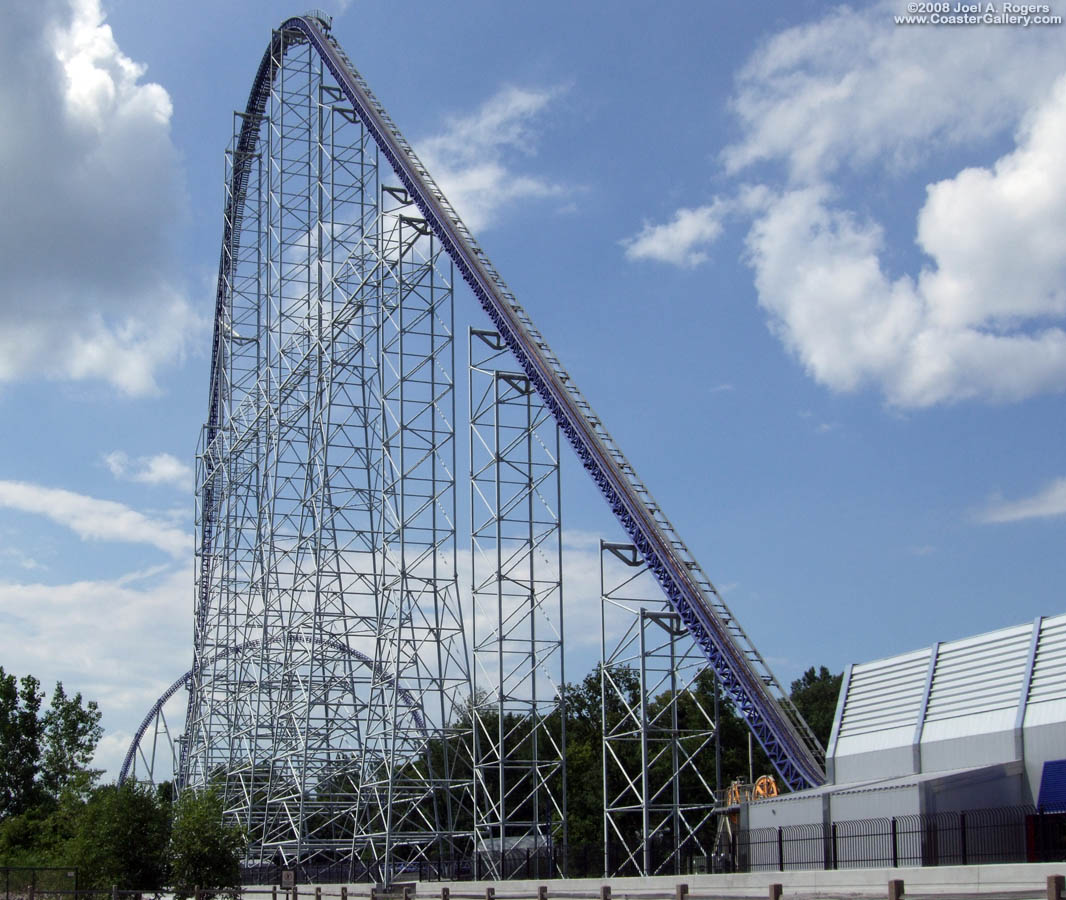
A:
[807,265]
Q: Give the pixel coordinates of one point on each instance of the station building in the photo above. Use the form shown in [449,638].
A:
[971,724]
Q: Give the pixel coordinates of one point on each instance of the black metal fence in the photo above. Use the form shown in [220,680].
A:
[576,861]
[1001,835]
[1004,835]
[24,881]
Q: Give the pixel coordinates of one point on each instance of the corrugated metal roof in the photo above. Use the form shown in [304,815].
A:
[1049,670]
[979,675]
[978,687]
[884,694]
[993,699]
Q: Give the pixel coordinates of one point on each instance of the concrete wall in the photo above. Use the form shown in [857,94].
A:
[987,788]
[791,809]
[1044,738]
[882,804]
[955,880]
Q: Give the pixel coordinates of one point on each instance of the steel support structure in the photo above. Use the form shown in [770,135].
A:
[325,503]
[658,726]
[329,656]
[517,591]
[741,670]
[153,755]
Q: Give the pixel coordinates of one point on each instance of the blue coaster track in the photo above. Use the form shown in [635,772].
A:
[741,669]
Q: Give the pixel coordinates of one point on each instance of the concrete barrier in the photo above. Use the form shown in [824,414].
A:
[1033,880]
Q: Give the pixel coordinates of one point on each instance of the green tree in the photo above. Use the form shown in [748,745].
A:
[36,837]
[815,696]
[20,743]
[204,850]
[121,838]
[71,732]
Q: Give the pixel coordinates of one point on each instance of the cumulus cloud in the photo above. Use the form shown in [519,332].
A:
[473,159]
[123,640]
[823,106]
[683,241]
[1049,502]
[159,469]
[91,184]
[851,90]
[983,320]
[94,520]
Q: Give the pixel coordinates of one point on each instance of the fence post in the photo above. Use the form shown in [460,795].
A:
[895,845]
[895,889]
[780,851]
[962,836]
[833,844]
[1055,886]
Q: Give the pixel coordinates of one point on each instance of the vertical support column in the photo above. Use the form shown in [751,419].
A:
[516,570]
[330,672]
[416,750]
[657,697]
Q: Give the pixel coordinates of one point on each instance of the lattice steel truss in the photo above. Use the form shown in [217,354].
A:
[658,726]
[516,543]
[330,665]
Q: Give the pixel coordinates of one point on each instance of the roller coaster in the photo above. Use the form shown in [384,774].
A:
[326,479]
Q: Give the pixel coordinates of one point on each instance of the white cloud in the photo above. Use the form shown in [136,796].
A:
[852,96]
[94,520]
[853,90]
[473,159]
[91,184]
[1049,502]
[124,641]
[683,240]
[985,320]
[159,469]
[22,560]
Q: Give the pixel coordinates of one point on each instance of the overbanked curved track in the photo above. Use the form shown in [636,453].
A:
[741,669]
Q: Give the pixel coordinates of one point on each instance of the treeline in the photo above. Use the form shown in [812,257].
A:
[814,694]
[53,811]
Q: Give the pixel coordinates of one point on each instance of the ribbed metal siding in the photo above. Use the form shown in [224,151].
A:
[884,695]
[979,675]
[1049,670]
